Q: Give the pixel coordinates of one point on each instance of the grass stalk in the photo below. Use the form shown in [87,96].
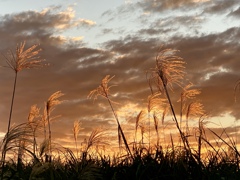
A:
[10,117]
[52,101]
[103,90]
[185,142]
[12,102]
[23,59]
[119,127]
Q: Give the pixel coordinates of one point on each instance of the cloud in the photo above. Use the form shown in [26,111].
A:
[48,23]
[220,6]
[211,65]
[208,6]
[63,53]
[86,22]
[164,5]
[235,13]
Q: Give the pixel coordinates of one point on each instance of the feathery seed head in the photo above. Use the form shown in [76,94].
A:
[76,128]
[189,93]
[195,109]
[138,118]
[34,112]
[95,138]
[155,102]
[169,68]
[24,59]
[53,101]
[103,89]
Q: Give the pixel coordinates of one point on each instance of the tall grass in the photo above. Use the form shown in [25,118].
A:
[187,93]
[76,130]
[22,59]
[34,124]
[104,90]
[52,101]
[18,61]
[150,158]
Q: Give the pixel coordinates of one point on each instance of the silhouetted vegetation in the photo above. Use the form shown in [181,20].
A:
[147,156]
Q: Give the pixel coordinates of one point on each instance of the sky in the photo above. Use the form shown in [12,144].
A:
[85,40]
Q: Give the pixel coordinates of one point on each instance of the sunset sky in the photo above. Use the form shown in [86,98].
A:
[85,40]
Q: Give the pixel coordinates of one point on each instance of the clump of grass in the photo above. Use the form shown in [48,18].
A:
[169,70]
[18,61]
[16,140]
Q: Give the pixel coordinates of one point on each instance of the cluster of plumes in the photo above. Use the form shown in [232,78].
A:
[28,59]
[22,59]
[168,73]
[25,134]
[22,139]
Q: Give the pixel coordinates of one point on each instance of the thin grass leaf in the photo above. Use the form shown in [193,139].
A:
[232,147]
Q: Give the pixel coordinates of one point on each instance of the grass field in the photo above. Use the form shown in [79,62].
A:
[188,155]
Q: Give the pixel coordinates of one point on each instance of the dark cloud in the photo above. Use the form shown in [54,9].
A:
[163,5]
[35,86]
[235,13]
[152,31]
[220,6]
[33,25]
[166,27]
[211,65]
